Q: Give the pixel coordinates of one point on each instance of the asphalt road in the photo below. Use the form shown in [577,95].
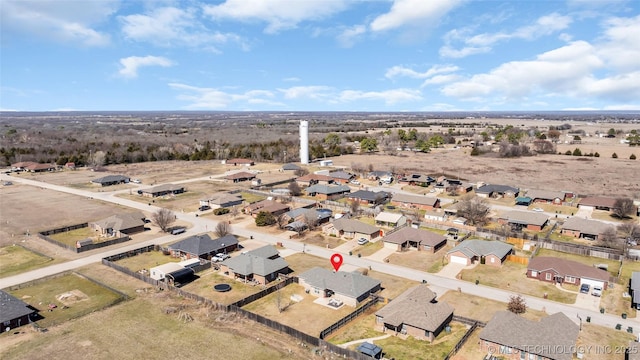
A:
[200,225]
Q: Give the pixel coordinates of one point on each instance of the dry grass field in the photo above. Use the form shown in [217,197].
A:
[16,259]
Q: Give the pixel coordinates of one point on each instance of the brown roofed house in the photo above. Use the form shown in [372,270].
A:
[415,201]
[270,206]
[524,219]
[584,228]
[238,161]
[556,270]
[410,238]
[598,202]
[240,176]
[415,313]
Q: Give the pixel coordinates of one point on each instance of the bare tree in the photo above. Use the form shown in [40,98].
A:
[234,211]
[354,207]
[223,229]
[609,238]
[301,172]
[310,219]
[474,209]
[163,218]
[357,168]
[517,304]
[98,158]
[282,220]
[294,189]
[629,231]
[623,207]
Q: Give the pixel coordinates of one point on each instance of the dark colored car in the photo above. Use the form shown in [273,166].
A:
[584,288]
[204,207]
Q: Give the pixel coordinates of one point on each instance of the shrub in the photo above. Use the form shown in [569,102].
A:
[568,152]
[475,151]
[577,152]
[615,156]
[632,157]
[596,154]
[265,218]
[221,211]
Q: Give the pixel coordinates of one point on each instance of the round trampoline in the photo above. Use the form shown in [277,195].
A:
[222,287]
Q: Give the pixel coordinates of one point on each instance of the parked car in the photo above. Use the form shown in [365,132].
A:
[538,209]
[177,231]
[220,257]
[362,241]
[204,208]
[597,291]
[136,181]
[584,288]
[355,182]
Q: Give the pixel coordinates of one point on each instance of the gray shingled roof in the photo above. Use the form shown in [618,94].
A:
[224,197]
[291,166]
[491,188]
[567,267]
[525,217]
[538,337]
[415,199]
[163,188]
[328,189]
[121,222]
[342,175]
[349,225]
[585,226]
[351,284]
[473,248]
[410,234]
[12,307]
[369,195]
[110,179]
[414,307]
[203,244]
[257,262]
[545,194]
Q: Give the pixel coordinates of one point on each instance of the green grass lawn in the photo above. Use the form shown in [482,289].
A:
[368,248]
[613,265]
[70,237]
[16,259]
[203,286]
[86,296]
[410,348]
[146,260]
[251,198]
[361,327]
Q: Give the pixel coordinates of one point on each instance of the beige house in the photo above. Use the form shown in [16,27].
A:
[349,287]
[415,313]
[119,225]
[409,238]
[351,229]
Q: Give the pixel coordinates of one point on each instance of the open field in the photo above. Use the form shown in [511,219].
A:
[15,259]
[511,276]
[421,260]
[478,308]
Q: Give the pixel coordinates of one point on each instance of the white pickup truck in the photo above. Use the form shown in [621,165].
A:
[597,291]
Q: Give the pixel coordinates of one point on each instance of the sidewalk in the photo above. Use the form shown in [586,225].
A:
[371,340]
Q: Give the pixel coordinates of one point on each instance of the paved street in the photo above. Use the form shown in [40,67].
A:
[200,224]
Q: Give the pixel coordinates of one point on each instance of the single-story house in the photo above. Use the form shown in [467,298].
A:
[415,313]
[556,270]
[327,192]
[417,179]
[260,266]
[70,165]
[350,229]
[202,246]
[271,206]
[14,312]
[598,202]
[435,215]
[321,216]
[410,238]
[341,177]
[31,166]
[494,190]
[515,337]
[222,200]
[493,252]
[111,180]
[524,220]
[291,167]
[415,201]
[349,287]
[379,175]
[634,289]
[120,224]
[523,200]
[370,350]
[547,196]
[240,176]
[312,179]
[370,197]
[584,228]
[451,209]
[162,190]
[235,162]
[390,219]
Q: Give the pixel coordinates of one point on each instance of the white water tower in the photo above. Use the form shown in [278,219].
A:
[304,142]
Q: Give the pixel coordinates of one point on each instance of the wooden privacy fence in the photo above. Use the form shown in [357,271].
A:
[473,325]
[340,323]
[518,259]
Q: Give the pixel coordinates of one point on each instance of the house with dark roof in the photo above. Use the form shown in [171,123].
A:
[519,220]
[584,228]
[320,216]
[14,312]
[327,192]
[598,202]
[421,202]
[120,225]
[240,176]
[222,200]
[350,229]
[341,177]
[291,167]
[514,337]
[556,270]
[259,266]
[270,206]
[417,179]
[410,238]
[634,289]
[312,179]
[162,190]
[349,287]
[202,246]
[370,197]
[111,180]
[238,161]
[488,252]
[547,196]
[495,190]
[414,313]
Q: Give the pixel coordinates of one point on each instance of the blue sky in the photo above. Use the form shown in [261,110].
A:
[325,55]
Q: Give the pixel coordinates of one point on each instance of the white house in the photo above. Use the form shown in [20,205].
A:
[390,219]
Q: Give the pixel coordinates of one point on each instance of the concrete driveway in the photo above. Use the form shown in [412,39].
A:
[587,301]
[381,254]
[451,270]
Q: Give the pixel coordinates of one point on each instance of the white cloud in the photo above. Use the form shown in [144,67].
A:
[170,26]
[412,12]
[482,43]
[278,14]
[131,64]
[349,36]
[390,97]
[619,45]
[309,92]
[214,99]
[58,20]
[291,79]
[397,71]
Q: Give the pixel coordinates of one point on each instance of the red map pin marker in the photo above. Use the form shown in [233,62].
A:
[336,261]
